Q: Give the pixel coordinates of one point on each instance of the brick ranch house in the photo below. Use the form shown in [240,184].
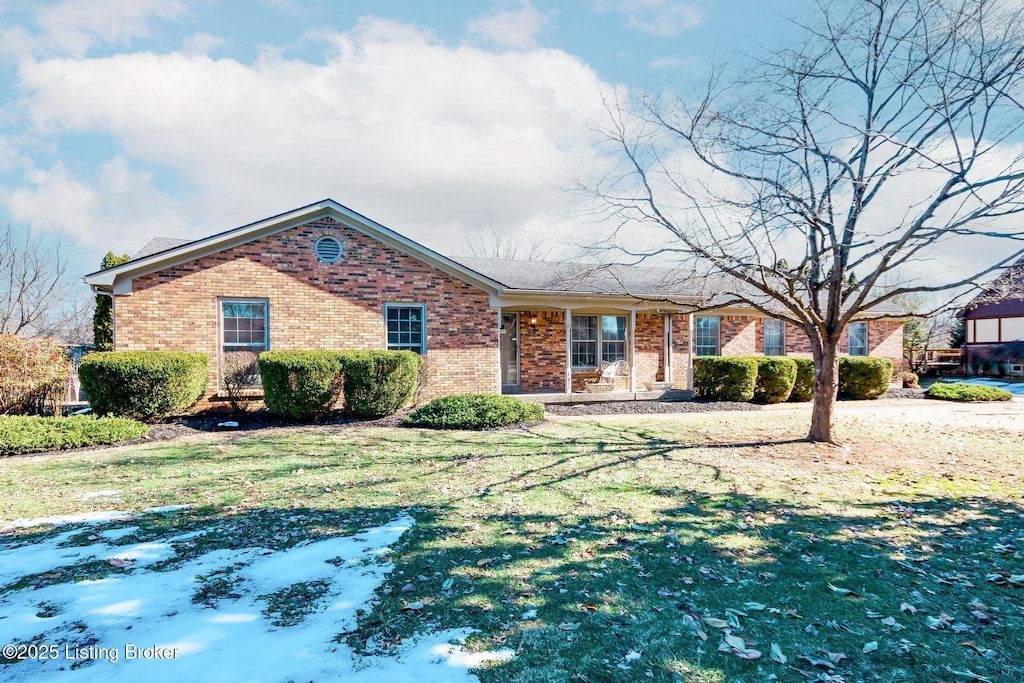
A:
[325,277]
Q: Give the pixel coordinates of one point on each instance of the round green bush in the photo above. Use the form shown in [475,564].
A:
[803,387]
[776,377]
[724,379]
[144,385]
[34,434]
[863,378]
[474,411]
[301,384]
[379,383]
[960,391]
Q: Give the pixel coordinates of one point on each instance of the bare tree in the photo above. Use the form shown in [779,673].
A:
[502,243]
[36,294]
[885,133]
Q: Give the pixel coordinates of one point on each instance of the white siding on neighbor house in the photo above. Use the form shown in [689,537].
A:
[986,330]
[1013,329]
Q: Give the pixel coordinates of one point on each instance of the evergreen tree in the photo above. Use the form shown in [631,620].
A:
[103,318]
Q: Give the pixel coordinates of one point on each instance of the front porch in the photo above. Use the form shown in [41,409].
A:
[550,352]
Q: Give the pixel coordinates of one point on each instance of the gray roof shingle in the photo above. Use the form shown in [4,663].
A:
[158,244]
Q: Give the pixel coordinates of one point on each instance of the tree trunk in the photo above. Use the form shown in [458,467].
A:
[826,385]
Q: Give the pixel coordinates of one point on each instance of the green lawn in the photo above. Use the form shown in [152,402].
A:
[623,550]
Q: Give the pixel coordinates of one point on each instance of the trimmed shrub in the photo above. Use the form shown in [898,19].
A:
[724,379]
[144,385]
[961,391]
[803,387]
[23,434]
[776,377]
[474,411]
[33,375]
[907,379]
[301,384]
[862,378]
[379,383]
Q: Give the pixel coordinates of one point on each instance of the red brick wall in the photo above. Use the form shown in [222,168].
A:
[738,335]
[314,305]
[885,340]
[650,349]
[542,352]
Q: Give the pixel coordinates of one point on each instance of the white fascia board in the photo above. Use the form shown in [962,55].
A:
[328,208]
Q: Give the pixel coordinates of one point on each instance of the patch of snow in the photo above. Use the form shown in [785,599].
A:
[98,517]
[117,534]
[109,620]
[99,494]
[165,508]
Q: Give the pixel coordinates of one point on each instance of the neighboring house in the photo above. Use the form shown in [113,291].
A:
[325,277]
[994,326]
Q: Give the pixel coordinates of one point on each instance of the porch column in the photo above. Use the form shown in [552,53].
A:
[568,350]
[689,380]
[632,350]
[667,346]
[499,352]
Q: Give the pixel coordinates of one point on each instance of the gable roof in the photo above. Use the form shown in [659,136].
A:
[165,252]
[1002,297]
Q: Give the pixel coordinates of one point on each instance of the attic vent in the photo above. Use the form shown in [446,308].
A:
[328,249]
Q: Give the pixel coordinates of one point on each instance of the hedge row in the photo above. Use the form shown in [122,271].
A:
[146,385]
[304,384]
[772,379]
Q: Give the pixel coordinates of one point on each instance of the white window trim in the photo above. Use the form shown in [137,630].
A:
[600,340]
[220,334]
[401,304]
[718,342]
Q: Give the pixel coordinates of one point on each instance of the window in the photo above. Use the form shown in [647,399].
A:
[584,341]
[244,335]
[858,339]
[613,338]
[244,325]
[593,332]
[774,338]
[406,327]
[706,337]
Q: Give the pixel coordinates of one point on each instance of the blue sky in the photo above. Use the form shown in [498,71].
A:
[126,119]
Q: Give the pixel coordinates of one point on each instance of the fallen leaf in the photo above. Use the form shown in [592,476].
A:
[754,606]
[870,647]
[716,623]
[118,562]
[776,654]
[568,626]
[940,622]
[818,661]
[484,561]
[969,675]
[907,607]
[844,592]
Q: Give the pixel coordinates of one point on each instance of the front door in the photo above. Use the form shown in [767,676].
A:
[508,349]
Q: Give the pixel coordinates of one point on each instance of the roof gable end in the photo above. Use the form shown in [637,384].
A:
[118,278]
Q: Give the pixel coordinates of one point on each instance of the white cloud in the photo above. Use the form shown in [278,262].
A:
[662,18]
[120,210]
[201,43]
[432,139]
[74,26]
[514,26]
